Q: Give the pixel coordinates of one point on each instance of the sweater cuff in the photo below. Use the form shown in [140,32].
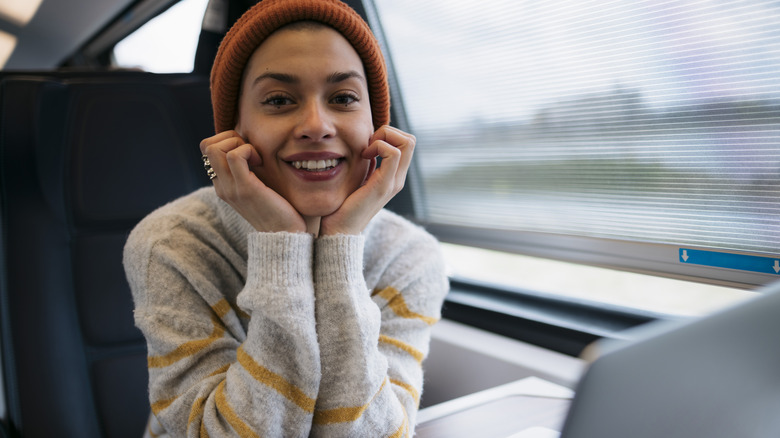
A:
[280,259]
[339,259]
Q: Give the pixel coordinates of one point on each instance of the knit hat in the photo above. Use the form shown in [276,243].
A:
[267,16]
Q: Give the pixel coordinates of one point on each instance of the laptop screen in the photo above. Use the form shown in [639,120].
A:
[718,376]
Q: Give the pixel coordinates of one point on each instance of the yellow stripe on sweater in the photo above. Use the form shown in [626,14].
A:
[397,303]
[242,314]
[197,411]
[230,415]
[415,353]
[344,415]
[221,308]
[220,370]
[275,381]
[187,349]
[162,404]
[409,388]
[402,431]
[150,431]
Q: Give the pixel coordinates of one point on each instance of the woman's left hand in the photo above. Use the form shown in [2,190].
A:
[395,147]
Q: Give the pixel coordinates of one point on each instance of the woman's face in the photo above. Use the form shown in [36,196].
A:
[304,107]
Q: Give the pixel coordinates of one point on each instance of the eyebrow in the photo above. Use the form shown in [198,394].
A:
[337,77]
[281,77]
[332,78]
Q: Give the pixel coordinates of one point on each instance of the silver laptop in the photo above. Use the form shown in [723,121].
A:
[718,376]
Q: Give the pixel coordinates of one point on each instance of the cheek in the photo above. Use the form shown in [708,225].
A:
[262,140]
[361,134]
[364,167]
[360,174]
[264,169]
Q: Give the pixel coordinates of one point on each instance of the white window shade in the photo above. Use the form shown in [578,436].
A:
[634,121]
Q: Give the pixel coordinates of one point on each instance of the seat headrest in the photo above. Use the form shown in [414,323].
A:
[114,150]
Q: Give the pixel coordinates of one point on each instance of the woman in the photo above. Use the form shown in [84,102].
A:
[284,301]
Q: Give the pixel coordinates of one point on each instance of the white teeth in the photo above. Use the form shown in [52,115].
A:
[315,165]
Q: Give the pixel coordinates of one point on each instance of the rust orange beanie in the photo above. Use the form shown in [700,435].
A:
[269,15]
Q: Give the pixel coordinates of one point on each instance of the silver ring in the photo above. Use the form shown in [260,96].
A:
[207,165]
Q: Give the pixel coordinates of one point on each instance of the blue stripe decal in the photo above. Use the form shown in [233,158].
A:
[742,262]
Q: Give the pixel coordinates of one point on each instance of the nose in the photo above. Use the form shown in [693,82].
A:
[315,123]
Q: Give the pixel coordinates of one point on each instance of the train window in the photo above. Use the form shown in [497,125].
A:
[626,134]
[155,48]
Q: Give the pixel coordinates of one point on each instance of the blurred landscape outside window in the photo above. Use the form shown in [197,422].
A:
[638,121]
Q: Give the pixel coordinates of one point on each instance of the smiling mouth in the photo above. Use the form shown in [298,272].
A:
[316,165]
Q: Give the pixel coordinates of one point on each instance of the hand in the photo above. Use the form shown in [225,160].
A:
[396,148]
[231,158]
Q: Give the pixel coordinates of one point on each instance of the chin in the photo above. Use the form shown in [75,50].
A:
[317,209]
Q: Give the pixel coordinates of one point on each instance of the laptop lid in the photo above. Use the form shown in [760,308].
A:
[718,376]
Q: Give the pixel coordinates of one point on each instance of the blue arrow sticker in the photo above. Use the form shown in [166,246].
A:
[743,262]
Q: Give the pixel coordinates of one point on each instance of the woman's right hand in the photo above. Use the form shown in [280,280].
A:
[232,159]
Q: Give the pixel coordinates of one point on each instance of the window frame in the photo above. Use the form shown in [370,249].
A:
[640,257]
[98,50]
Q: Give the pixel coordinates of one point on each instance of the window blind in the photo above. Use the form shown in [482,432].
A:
[634,120]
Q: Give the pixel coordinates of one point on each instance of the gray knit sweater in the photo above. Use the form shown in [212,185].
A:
[279,334]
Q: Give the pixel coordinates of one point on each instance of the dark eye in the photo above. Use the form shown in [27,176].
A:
[344,99]
[278,101]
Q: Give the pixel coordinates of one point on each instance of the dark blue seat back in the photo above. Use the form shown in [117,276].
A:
[83,157]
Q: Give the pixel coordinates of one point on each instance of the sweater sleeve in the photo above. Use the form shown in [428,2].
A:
[208,375]
[372,343]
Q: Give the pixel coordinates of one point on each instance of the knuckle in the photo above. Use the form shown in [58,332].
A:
[205,146]
[208,148]
[389,190]
[233,155]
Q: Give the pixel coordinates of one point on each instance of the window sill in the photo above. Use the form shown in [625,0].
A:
[561,324]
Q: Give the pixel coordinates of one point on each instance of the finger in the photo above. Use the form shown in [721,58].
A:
[223,145]
[384,182]
[400,140]
[205,143]
[239,161]
[394,136]
[371,168]
[405,142]
[216,149]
